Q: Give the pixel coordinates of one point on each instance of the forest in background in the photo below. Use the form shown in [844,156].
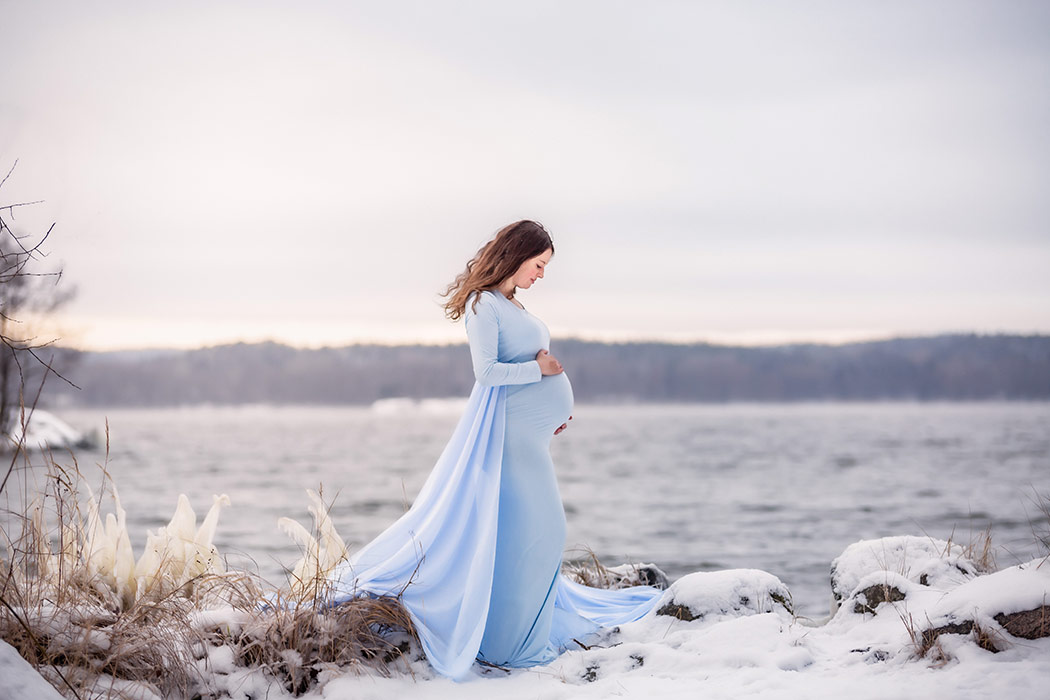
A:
[946,367]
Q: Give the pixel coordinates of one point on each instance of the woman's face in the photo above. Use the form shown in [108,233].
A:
[531,270]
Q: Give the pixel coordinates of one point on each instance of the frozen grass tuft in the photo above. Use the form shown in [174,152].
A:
[69,605]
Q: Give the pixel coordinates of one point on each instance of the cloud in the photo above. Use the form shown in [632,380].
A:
[245,162]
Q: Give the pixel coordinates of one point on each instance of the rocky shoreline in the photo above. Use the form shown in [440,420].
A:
[906,605]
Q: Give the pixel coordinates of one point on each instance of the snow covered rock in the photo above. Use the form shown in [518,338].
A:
[923,560]
[716,595]
[868,598]
[874,590]
[44,430]
[994,608]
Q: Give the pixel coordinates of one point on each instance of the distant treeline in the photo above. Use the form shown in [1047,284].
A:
[948,367]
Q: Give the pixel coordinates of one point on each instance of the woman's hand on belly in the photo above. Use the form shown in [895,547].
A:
[562,427]
[549,364]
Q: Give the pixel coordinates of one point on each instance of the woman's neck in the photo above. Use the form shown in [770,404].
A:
[507,288]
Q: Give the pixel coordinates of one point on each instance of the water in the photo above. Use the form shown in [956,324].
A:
[784,488]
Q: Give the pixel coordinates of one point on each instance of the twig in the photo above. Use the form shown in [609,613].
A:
[13,166]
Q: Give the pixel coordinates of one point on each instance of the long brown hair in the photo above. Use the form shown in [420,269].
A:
[496,261]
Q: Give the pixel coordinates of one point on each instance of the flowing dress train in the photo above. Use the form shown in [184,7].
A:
[476,559]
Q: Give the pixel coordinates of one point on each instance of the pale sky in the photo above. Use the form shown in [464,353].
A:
[744,172]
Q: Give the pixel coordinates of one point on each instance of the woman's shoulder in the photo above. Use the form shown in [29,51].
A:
[482,299]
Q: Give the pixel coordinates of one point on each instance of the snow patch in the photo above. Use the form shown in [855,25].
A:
[20,679]
[1016,589]
[44,430]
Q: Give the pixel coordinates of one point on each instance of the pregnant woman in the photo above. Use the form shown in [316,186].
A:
[476,560]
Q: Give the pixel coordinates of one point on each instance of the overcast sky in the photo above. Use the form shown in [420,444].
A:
[749,172]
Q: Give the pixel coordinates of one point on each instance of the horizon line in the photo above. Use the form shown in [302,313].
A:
[623,340]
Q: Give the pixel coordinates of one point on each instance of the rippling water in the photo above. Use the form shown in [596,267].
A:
[784,488]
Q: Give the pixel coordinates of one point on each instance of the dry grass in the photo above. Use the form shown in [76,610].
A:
[296,644]
[988,638]
[1040,523]
[914,634]
[925,643]
[93,627]
[81,648]
[68,616]
[980,551]
[591,572]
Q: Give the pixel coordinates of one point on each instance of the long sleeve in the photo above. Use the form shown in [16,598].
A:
[483,333]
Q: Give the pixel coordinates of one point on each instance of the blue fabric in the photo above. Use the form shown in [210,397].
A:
[476,559]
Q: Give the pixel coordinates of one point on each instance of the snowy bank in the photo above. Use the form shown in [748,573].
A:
[915,618]
[731,634]
[44,430]
[739,640]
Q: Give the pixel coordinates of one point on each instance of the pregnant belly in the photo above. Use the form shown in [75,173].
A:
[545,404]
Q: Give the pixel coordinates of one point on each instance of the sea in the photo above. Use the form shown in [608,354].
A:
[780,487]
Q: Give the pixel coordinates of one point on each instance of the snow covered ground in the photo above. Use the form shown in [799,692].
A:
[730,634]
[755,649]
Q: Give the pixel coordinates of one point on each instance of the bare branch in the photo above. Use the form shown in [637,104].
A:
[22,289]
[16,346]
[49,368]
[13,166]
[9,207]
[35,249]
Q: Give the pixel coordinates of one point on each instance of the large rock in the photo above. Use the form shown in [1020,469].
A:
[715,595]
[994,608]
[1026,624]
[870,595]
[923,560]
[875,590]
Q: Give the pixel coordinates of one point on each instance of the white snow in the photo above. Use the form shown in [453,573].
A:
[1018,588]
[20,680]
[743,643]
[927,560]
[44,430]
[714,595]
[757,649]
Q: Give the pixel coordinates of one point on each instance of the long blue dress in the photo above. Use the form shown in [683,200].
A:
[476,559]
